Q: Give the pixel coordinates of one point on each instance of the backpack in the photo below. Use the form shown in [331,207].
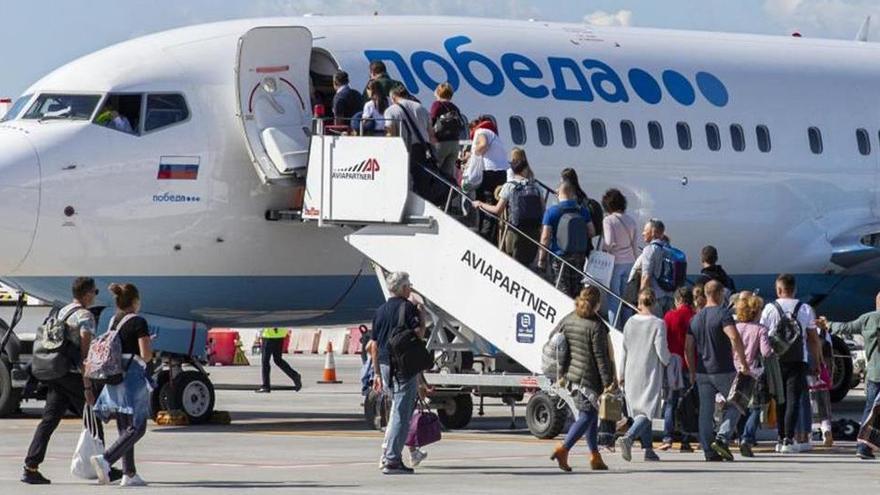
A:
[673,267]
[449,124]
[787,335]
[104,362]
[54,353]
[524,207]
[572,232]
[555,355]
[409,355]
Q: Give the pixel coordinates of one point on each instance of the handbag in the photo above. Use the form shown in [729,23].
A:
[610,406]
[769,414]
[741,391]
[424,427]
[688,411]
[88,445]
[869,433]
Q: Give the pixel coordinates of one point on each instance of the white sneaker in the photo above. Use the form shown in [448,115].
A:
[102,469]
[382,461]
[803,447]
[789,448]
[416,457]
[135,480]
[778,447]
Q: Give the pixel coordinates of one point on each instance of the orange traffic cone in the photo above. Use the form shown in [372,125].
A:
[329,367]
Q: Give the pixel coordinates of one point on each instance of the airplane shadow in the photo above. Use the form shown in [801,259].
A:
[254,422]
[248,484]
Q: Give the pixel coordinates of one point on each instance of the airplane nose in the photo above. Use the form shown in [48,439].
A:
[19,198]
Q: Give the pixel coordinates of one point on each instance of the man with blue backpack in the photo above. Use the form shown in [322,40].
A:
[663,268]
[566,232]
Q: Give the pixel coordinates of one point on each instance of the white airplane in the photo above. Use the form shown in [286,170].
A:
[766,147]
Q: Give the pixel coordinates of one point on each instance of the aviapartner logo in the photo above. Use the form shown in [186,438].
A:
[365,170]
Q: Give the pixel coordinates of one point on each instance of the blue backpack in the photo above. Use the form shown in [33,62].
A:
[673,267]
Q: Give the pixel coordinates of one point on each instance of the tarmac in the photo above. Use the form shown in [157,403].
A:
[316,441]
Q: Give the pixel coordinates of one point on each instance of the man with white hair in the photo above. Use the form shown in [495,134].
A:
[398,313]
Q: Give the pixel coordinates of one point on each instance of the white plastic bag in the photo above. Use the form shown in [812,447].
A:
[88,445]
[600,266]
[472,175]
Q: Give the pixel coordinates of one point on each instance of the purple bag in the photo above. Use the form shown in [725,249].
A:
[424,427]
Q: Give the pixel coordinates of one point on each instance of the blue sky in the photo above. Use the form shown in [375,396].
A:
[40,35]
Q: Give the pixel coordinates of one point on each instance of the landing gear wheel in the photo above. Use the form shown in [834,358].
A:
[841,371]
[9,397]
[458,413]
[544,416]
[194,395]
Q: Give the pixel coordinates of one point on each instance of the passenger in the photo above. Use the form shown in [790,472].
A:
[410,120]
[522,201]
[448,127]
[273,350]
[379,73]
[71,391]
[712,342]
[757,345]
[816,397]
[678,323]
[128,401]
[868,326]
[567,229]
[589,373]
[388,318]
[650,264]
[619,238]
[793,362]
[645,353]
[111,118]
[373,114]
[487,151]
[699,292]
[346,102]
[596,214]
[713,271]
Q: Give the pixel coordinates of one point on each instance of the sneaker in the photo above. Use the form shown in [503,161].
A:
[722,449]
[625,446]
[745,450]
[399,468]
[297,382]
[115,474]
[34,477]
[788,447]
[417,456]
[713,457]
[827,439]
[131,481]
[863,452]
[102,469]
[803,447]
[263,390]
[651,456]
[686,448]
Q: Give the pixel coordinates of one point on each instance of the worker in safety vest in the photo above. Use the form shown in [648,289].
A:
[273,343]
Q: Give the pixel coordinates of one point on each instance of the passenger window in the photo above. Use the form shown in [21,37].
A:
[815,136]
[628,134]
[517,130]
[713,137]
[864,141]
[165,110]
[684,135]
[655,134]
[121,112]
[737,137]
[600,138]
[545,131]
[572,132]
[763,134]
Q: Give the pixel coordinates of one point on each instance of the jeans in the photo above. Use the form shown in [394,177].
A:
[641,429]
[753,422]
[272,351]
[619,276]
[872,398]
[587,424]
[403,404]
[709,385]
[669,408]
[123,448]
[794,379]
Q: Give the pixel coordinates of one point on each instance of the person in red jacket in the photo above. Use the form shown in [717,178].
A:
[678,321]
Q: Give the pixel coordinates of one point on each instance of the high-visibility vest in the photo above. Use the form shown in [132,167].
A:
[274,333]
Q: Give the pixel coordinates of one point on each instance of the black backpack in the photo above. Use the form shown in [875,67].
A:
[449,125]
[409,354]
[55,354]
[572,232]
[524,208]
[787,338]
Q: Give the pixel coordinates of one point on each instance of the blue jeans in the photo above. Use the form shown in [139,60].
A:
[403,403]
[670,405]
[619,276]
[641,429]
[750,430]
[872,398]
[587,424]
[708,386]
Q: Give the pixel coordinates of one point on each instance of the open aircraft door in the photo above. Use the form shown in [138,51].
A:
[274,100]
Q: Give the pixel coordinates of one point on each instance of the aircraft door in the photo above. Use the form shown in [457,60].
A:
[274,102]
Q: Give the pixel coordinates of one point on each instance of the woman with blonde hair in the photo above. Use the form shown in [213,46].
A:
[645,353]
[590,371]
[448,125]
[699,296]
[748,307]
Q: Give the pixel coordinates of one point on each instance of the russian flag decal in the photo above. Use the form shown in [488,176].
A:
[178,168]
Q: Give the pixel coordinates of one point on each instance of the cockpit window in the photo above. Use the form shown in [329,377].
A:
[16,108]
[164,110]
[50,106]
[121,112]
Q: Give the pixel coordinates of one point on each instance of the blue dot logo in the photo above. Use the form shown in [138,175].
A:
[713,89]
[679,87]
[645,86]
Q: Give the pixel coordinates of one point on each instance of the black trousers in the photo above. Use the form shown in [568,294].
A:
[488,226]
[65,393]
[272,351]
[123,448]
[794,379]
[570,280]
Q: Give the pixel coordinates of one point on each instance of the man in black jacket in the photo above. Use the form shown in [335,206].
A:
[347,102]
[713,271]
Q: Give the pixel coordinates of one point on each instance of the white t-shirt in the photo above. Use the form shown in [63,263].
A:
[405,112]
[806,317]
[82,320]
[371,112]
[495,158]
